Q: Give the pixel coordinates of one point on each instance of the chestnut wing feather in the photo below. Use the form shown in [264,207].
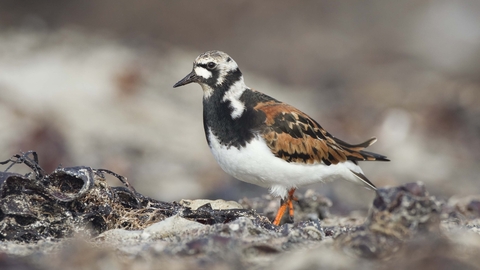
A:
[295,137]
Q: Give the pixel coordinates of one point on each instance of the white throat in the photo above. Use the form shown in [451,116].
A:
[207,90]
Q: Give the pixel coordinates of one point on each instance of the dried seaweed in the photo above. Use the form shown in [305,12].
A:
[78,200]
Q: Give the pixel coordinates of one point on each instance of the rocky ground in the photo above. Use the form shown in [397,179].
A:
[72,219]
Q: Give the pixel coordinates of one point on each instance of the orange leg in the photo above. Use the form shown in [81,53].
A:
[283,207]
[291,198]
[280,213]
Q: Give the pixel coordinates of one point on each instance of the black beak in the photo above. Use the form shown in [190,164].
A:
[191,77]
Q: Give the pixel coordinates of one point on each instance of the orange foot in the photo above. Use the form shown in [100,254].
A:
[283,207]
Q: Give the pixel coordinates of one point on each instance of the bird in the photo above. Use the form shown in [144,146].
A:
[260,140]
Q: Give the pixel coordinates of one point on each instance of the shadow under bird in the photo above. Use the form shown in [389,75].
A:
[260,140]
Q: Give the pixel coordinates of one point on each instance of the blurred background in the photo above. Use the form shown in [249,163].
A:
[90,83]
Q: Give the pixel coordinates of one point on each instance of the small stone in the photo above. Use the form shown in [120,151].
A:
[215,204]
[171,226]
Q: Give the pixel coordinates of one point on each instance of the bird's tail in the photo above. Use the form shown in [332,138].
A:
[358,154]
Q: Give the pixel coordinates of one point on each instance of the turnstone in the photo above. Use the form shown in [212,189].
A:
[260,140]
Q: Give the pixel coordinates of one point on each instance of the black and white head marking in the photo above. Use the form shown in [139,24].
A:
[216,71]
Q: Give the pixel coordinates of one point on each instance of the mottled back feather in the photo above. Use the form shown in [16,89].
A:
[295,137]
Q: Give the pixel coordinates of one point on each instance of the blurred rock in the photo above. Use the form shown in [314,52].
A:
[434,251]
[13,263]
[398,214]
[468,206]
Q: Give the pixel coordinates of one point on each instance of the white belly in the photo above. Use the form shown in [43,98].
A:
[257,165]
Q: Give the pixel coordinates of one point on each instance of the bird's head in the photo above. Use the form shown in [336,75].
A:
[213,70]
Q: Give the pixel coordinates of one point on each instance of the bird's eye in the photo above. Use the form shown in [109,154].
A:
[211,65]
